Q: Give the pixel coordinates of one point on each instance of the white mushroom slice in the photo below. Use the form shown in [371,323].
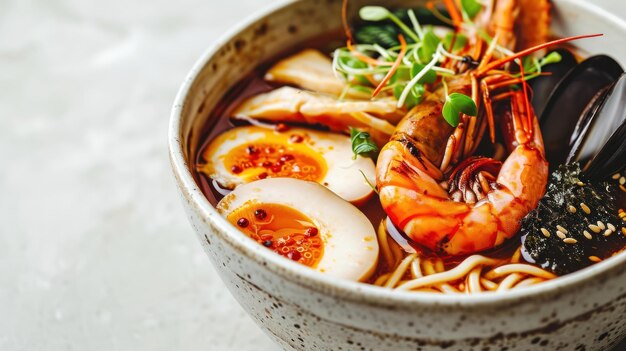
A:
[310,70]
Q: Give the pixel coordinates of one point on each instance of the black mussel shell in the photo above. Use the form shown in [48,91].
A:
[568,102]
[543,86]
[600,146]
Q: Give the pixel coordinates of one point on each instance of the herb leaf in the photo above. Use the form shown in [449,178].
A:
[429,46]
[471,7]
[374,13]
[553,57]
[456,104]
[368,182]
[415,95]
[459,42]
[429,78]
[362,143]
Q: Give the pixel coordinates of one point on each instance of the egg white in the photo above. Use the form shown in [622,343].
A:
[350,243]
[343,175]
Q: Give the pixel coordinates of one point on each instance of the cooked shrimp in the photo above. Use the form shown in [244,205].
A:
[430,186]
[485,200]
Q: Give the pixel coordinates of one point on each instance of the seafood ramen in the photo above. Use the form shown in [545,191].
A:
[443,149]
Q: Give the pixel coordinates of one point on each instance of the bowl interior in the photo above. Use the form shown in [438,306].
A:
[289,25]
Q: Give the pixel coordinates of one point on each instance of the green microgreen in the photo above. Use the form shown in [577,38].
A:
[374,13]
[471,7]
[379,13]
[553,57]
[459,42]
[457,103]
[367,181]
[429,45]
[429,77]
[362,143]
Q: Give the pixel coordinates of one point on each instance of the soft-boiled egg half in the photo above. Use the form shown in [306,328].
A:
[305,222]
[244,154]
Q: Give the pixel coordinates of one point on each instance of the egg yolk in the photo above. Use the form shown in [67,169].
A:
[282,229]
[276,156]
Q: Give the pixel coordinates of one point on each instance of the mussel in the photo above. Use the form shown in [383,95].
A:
[581,114]
[542,87]
[600,146]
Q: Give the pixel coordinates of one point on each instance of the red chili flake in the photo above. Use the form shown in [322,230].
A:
[295,138]
[263,175]
[242,222]
[236,169]
[294,255]
[276,169]
[286,158]
[311,231]
[281,127]
[267,164]
[260,213]
[279,163]
[269,150]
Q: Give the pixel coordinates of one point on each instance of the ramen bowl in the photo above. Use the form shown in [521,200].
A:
[301,309]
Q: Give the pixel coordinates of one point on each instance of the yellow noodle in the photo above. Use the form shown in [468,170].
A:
[427,267]
[396,251]
[456,273]
[516,256]
[416,269]
[384,244]
[510,280]
[473,280]
[528,282]
[518,268]
[382,279]
[448,289]
[488,284]
[439,267]
[400,271]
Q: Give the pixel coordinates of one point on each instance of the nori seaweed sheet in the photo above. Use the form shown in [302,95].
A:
[552,253]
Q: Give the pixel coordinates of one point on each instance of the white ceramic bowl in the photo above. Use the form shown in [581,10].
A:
[301,309]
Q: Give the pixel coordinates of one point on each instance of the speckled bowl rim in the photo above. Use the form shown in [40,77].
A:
[345,289]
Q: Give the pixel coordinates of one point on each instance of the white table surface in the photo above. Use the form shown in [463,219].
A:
[95,250]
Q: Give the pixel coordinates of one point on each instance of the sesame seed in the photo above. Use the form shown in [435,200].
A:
[616,176]
[561,235]
[570,241]
[579,183]
[587,235]
[585,208]
[561,229]
[545,232]
[595,258]
[622,180]
[594,228]
[601,225]
[622,187]
[611,226]
[572,209]
[623,230]
[608,232]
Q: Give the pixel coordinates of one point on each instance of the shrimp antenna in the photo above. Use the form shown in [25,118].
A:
[528,51]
